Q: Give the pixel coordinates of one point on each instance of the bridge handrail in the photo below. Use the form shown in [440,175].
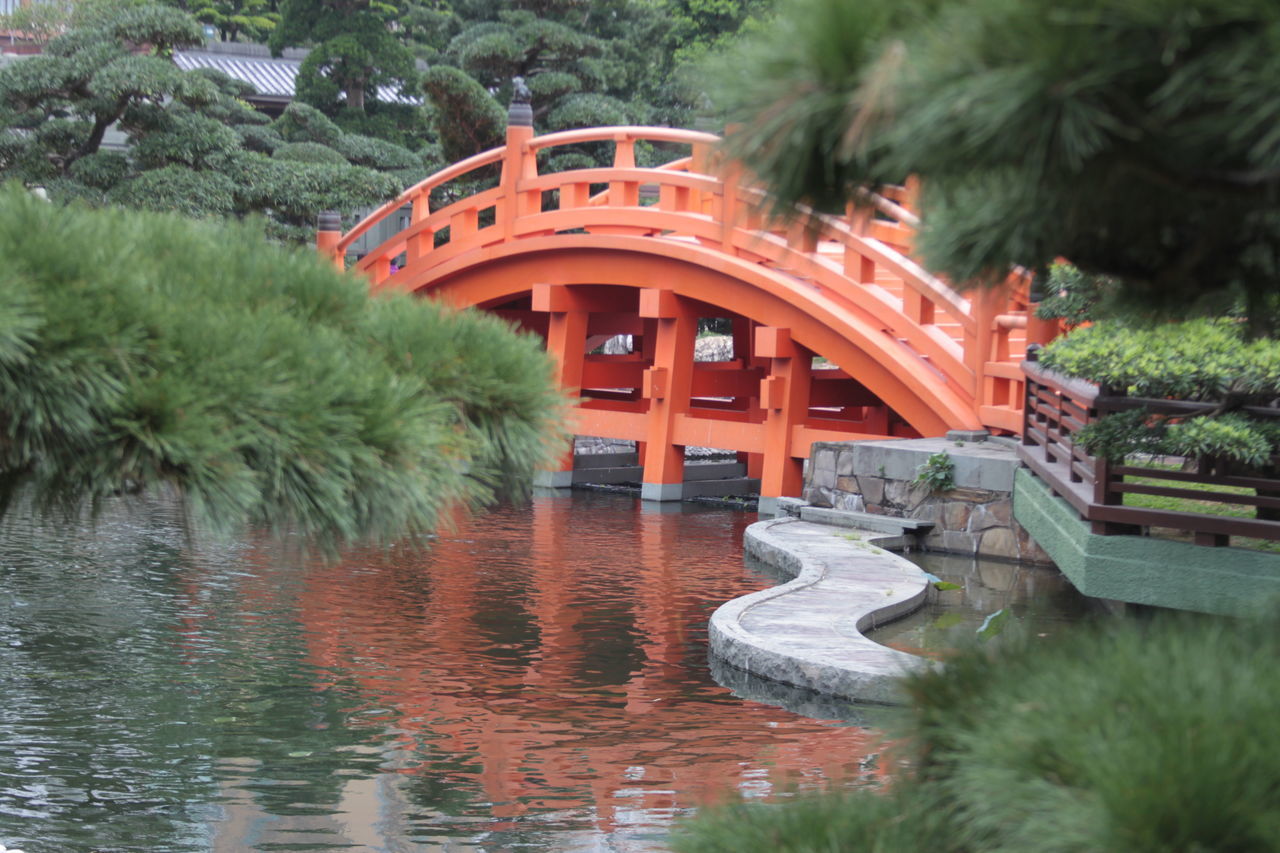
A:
[625,133]
[421,188]
[889,207]
[537,143]
[842,230]
[612,174]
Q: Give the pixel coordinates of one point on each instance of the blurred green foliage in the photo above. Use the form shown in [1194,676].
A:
[1141,737]
[196,147]
[1135,138]
[140,351]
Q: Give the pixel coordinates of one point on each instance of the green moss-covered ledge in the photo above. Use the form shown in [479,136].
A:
[1141,569]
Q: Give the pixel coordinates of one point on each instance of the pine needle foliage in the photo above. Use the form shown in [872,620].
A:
[1135,138]
[1112,738]
[140,351]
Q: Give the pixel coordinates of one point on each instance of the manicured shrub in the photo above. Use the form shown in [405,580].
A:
[376,153]
[455,94]
[101,170]
[187,139]
[257,138]
[304,123]
[401,124]
[176,189]
[1195,360]
[1199,360]
[1072,295]
[588,110]
[309,152]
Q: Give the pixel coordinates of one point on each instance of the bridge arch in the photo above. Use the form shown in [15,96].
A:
[920,395]
[580,254]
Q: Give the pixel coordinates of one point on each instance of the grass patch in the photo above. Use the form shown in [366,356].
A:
[1206,507]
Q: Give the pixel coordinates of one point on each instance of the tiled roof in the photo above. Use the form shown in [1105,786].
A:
[272,77]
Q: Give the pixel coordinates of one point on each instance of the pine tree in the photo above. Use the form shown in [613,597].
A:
[196,147]
[140,351]
[353,52]
[1133,137]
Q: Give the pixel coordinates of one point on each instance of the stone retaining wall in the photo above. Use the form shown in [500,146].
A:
[878,477]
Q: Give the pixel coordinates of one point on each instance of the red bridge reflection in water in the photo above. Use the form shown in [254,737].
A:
[552,658]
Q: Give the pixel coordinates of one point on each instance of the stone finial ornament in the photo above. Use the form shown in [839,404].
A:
[329,220]
[520,113]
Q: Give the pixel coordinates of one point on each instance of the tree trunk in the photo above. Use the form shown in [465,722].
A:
[355,95]
[1260,314]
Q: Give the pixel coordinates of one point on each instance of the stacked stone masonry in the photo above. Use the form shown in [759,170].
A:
[878,477]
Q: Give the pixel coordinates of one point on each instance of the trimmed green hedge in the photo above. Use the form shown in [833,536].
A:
[1195,360]
[1199,360]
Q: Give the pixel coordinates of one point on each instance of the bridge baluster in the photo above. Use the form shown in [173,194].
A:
[979,346]
[916,306]
[574,195]
[624,153]
[418,245]
[519,163]
[673,199]
[463,225]
[380,269]
[700,163]
[858,266]
[624,193]
[730,211]
[859,218]
[803,237]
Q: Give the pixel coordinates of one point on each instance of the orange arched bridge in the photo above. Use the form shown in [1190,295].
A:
[837,332]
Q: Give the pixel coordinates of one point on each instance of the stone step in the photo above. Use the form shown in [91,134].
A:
[865,521]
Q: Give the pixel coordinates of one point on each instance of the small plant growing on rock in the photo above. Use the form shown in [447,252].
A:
[938,473]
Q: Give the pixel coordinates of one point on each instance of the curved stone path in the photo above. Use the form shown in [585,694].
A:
[808,632]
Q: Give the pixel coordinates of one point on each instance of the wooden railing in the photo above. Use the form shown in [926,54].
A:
[860,261]
[1057,408]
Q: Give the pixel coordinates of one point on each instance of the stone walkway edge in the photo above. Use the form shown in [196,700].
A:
[808,631]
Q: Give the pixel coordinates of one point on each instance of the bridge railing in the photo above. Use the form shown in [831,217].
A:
[1058,407]
[859,262]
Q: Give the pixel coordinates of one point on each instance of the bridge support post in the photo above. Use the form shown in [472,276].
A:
[784,394]
[566,342]
[667,385]
[328,235]
[744,353]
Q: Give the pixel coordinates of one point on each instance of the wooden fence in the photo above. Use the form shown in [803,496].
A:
[1057,407]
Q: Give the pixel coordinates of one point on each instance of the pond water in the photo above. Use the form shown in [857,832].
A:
[536,680]
[1007,599]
